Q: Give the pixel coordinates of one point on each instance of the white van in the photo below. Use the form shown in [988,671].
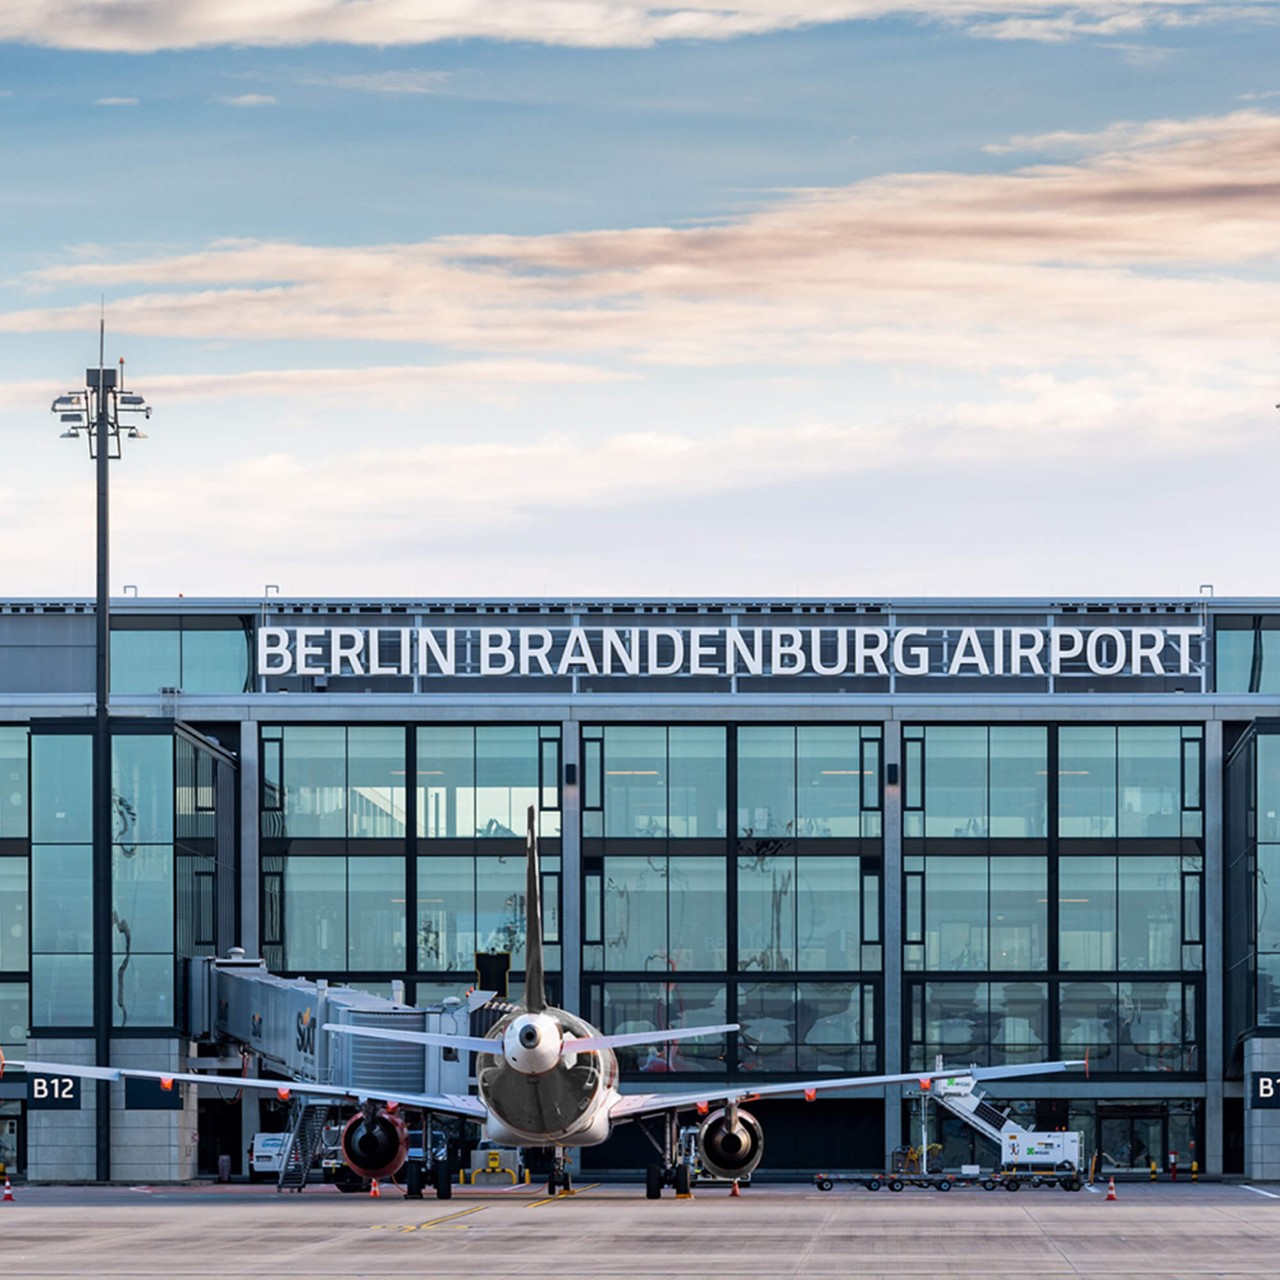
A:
[266,1156]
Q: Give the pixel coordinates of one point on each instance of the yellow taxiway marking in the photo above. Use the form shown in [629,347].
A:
[435,1222]
[563,1195]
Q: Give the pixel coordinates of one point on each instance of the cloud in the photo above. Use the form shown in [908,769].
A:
[115,102]
[137,26]
[1259,97]
[1141,248]
[249,100]
[410,82]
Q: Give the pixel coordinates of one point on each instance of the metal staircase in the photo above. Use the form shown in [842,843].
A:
[959,1097]
[306,1127]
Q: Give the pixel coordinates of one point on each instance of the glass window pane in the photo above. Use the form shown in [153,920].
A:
[375,782]
[1268,897]
[635,781]
[500,906]
[1019,781]
[13,783]
[766,780]
[447,913]
[697,1004]
[145,661]
[142,898]
[698,911]
[767,913]
[1019,1022]
[1150,772]
[14,937]
[767,1015]
[828,912]
[1233,660]
[315,772]
[62,898]
[507,768]
[446,782]
[635,913]
[142,992]
[955,781]
[142,789]
[828,780]
[1153,1036]
[315,914]
[1150,905]
[1019,913]
[215,661]
[696,795]
[375,921]
[62,991]
[13,1019]
[1269,990]
[1088,1017]
[830,1023]
[61,788]
[1087,913]
[1087,781]
[955,913]
[956,1023]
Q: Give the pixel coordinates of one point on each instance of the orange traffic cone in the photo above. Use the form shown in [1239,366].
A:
[373,1189]
[8,1188]
[735,1191]
[1111,1190]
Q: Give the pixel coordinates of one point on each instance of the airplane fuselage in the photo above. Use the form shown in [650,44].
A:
[538,1096]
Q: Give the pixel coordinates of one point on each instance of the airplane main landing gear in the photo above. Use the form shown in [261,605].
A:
[560,1178]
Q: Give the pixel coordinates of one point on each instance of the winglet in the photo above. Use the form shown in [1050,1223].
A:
[535,993]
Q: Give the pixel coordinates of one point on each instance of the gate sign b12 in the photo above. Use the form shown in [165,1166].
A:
[1264,1090]
[53,1093]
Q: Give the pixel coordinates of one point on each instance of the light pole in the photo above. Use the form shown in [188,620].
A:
[95,412]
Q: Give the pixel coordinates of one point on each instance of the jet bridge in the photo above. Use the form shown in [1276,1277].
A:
[237,1000]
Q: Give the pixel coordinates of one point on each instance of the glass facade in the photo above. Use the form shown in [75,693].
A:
[196,654]
[732,859]
[1080,859]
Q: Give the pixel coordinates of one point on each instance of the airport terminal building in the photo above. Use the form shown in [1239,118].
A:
[870,832]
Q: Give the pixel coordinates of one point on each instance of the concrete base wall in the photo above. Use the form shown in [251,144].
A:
[1261,1124]
[146,1146]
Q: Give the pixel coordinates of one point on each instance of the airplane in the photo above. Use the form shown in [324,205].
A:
[547,1078]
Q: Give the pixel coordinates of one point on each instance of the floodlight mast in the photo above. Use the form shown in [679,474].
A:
[96,411]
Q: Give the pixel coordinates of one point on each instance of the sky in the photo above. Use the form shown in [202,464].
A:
[604,298]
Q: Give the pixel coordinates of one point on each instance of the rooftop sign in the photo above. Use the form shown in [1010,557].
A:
[724,651]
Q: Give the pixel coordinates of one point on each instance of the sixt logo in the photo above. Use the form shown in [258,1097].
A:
[306,1038]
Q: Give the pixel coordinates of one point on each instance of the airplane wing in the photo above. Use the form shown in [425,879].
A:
[442,1103]
[642,1104]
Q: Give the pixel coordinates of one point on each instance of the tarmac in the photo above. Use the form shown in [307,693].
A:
[1181,1231]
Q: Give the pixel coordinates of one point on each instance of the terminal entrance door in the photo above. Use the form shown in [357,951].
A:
[1130,1139]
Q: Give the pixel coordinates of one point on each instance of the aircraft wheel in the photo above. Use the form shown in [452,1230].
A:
[444,1185]
[653,1182]
[681,1180]
[897,1184]
[566,1181]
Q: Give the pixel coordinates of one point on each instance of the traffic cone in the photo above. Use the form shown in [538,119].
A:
[373,1189]
[1111,1190]
[735,1191]
[8,1188]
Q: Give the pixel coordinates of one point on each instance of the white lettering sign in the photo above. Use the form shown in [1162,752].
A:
[1013,653]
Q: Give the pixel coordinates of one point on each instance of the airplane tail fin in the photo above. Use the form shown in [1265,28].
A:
[535,992]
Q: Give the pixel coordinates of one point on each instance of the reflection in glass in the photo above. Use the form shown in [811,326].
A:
[375,913]
[375,782]
[1019,781]
[1088,1016]
[142,991]
[61,990]
[1150,780]
[955,911]
[635,781]
[828,780]
[142,788]
[13,782]
[1150,903]
[955,781]
[1019,913]
[1087,913]
[315,913]
[696,796]
[828,909]
[14,939]
[315,768]
[142,899]
[62,788]
[767,1015]
[766,780]
[13,1019]
[766,913]
[62,898]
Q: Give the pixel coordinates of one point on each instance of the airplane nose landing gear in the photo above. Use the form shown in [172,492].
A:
[560,1179]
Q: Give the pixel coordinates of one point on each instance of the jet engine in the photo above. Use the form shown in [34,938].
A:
[730,1142]
[375,1145]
